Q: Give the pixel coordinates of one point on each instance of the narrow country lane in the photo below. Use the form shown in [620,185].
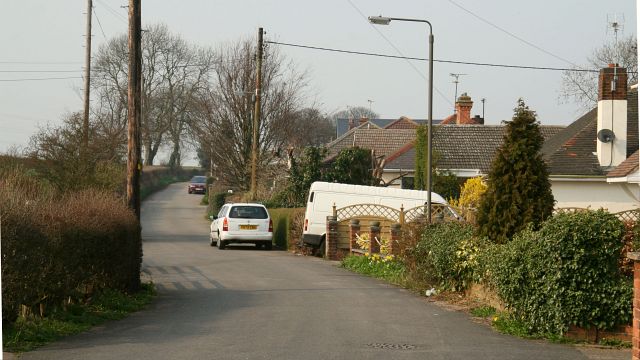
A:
[244,303]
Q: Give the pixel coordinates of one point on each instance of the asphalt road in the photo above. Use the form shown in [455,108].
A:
[244,303]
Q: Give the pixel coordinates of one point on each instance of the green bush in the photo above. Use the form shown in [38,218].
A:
[215,202]
[287,226]
[564,274]
[446,255]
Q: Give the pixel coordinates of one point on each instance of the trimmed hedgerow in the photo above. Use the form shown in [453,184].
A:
[57,248]
[565,274]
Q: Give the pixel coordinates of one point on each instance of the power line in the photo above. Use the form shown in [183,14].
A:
[510,34]
[114,12]
[39,71]
[434,60]
[398,51]
[99,23]
[41,62]
[42,79]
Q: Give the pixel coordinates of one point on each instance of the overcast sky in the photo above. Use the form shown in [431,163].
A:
[39,37]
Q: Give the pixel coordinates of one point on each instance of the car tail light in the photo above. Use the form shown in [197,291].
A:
[306,224]
[225,224]
[270,225]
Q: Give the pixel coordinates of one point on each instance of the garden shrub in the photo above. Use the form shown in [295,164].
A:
[564,274]
[446,255]
[216,201]
[287,226]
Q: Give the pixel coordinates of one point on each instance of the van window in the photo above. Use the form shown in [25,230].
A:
[311,197]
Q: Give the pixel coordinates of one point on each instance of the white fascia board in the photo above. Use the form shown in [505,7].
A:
[465,173]
[631,179]
[577,178]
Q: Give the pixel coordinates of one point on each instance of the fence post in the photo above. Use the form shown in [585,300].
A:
[401,217]
[374,233]
[635,342]
[331,241]
[354,231]
[396,236]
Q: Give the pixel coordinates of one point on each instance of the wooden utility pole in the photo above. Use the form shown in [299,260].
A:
[134,166]
[87,81]
[256,118]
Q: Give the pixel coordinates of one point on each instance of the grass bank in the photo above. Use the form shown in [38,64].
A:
[30,332]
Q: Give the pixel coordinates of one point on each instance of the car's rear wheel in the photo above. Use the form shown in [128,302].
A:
[268,246]
[211,241]
[221,245]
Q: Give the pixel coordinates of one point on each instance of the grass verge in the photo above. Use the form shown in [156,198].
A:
[29,333]
[382,267]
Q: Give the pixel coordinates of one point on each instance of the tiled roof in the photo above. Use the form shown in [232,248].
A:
[342,125]
[383,141]
[462,147]
[626,167]
[402,123]
[572,151]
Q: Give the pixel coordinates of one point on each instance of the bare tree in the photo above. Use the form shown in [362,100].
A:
[172,71]
[224,129]
[310,127]
[581,87]
[354,112]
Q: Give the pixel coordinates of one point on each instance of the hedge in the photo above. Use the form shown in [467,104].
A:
[567,273]
[156,178]
[57,248]
[287,226]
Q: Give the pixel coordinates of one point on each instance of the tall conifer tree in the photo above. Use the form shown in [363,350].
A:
[420,179]
[519,192]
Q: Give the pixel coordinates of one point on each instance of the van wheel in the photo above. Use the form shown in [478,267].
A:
[268,246]
[211,241]
[323,247]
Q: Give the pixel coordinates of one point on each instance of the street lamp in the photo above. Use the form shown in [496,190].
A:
[381,20]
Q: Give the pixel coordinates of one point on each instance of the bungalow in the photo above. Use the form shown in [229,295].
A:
[593,162]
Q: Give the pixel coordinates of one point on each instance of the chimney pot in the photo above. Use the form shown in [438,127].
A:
[463,109]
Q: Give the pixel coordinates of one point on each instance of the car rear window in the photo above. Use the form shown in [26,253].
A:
[199,179]
[248,212]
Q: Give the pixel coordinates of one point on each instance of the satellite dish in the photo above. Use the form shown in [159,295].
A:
[606,135]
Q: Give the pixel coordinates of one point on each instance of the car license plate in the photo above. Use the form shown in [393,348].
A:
[248,227]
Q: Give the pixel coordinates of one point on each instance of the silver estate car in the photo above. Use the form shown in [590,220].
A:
[241,223]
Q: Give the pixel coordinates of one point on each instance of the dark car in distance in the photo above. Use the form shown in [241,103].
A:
[198,184]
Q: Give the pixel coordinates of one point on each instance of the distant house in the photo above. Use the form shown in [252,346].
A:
[584,171]
[344,125]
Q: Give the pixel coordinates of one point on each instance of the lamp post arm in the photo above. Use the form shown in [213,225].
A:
[415,20]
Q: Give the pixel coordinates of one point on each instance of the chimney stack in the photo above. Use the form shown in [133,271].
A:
[612,116]
[463,110]
[363,120]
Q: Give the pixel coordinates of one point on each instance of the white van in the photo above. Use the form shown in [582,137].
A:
[323,195]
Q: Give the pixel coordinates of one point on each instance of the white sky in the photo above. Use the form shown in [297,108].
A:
[49,35]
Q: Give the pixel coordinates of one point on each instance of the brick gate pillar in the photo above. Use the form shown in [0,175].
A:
[374,233]
[354,231]
[635,342]
[331,245]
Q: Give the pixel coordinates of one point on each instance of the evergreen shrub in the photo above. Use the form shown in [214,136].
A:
[567,273]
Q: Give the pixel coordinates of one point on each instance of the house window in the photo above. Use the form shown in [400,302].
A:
[407,182]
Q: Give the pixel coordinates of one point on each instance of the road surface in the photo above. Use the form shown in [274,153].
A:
[244,303]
